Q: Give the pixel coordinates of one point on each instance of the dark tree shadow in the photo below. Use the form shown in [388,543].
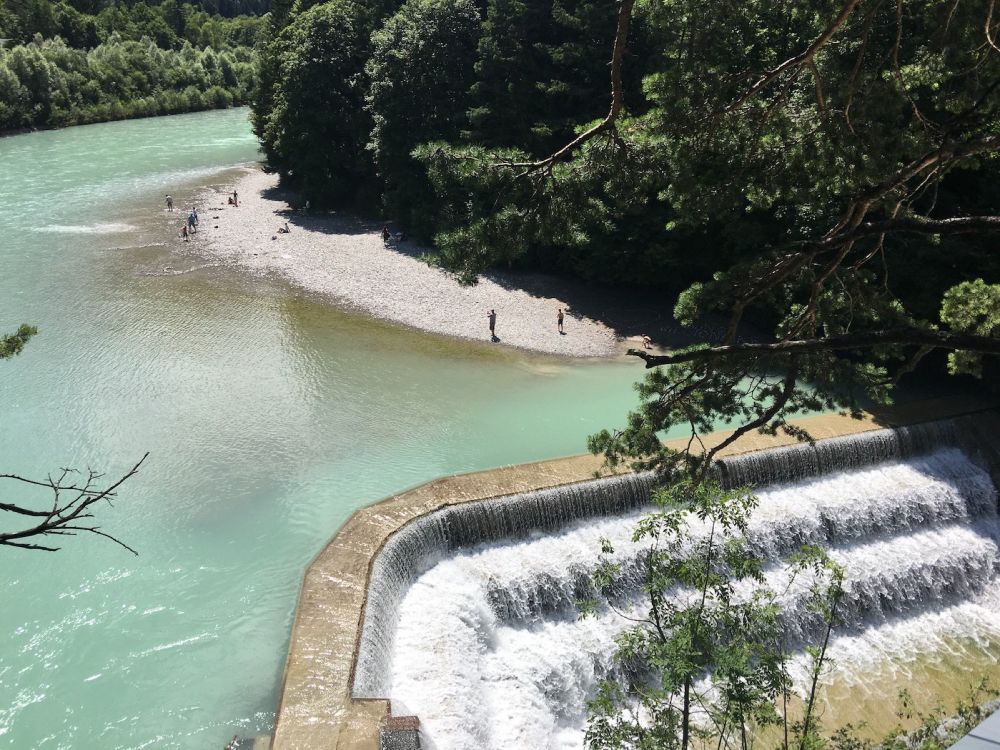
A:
[632,311]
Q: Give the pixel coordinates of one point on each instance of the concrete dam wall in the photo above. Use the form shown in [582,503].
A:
[504,530]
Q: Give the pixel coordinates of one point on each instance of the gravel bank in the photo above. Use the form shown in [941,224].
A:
[344,259]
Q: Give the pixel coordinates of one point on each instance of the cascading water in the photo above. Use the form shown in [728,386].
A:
[471,620]
[428,539]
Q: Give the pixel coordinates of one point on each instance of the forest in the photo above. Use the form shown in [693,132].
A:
[430,104]
[69,63]
[824,169]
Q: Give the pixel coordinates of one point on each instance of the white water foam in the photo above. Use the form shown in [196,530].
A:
[489,652]
[96,228]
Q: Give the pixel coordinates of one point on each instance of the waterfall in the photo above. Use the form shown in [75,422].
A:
[425,541]
[471,621]
[801,461]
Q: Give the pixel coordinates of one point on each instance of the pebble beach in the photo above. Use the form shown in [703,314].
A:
[345,260]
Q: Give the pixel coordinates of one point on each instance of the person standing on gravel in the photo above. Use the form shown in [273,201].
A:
[170,203]
[559,321]
[493,325]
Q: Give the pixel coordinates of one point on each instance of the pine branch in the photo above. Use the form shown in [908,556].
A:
[867,340]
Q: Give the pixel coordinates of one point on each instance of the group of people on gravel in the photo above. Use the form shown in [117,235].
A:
[190,226]
[647,342]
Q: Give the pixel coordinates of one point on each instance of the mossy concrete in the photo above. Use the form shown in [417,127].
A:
[316,710]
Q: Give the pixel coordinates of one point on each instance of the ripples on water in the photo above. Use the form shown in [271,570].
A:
[105,228]
[268,416]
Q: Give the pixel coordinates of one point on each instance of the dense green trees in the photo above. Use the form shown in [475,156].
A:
[316,97]
[419,73]
[538,72]
[87,23]
[50,84]
[435,71]
[67,63]
[693,176]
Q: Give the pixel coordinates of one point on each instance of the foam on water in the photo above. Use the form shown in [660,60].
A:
[483,643]
[96,228]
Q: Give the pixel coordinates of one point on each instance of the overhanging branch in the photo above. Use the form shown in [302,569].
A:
[802,59]
[891,337]
[69,513]
[617,97]
[921,225]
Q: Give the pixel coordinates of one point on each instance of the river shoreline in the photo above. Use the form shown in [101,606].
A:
[343,259]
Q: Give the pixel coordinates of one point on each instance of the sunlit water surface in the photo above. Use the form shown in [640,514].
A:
[269,417]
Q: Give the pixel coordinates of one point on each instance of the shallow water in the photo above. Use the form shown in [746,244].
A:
[268,416]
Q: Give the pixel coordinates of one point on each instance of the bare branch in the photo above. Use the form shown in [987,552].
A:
[947,152]
[608,123]
[820,100]
[852,83]
[915,225]
[65,517]
[989,26]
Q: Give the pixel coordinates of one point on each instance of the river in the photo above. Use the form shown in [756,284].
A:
[269,417]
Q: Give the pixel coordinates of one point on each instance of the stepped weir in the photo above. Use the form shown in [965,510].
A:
[469,620]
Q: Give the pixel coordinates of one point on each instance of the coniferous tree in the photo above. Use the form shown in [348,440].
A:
[317,124]
[419,74]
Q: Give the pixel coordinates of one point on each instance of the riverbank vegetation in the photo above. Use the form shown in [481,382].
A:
[74,63]
[827,170]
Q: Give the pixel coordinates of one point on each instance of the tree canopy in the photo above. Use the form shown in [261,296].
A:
[312,78]
[68,63]
[419,74]
[824,170]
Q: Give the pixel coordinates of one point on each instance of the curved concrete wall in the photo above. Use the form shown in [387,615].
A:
[420,544]
[318,708]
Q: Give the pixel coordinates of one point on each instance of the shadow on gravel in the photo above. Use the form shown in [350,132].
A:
[631,311]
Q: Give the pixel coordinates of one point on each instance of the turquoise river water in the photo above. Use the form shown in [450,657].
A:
[269,417]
